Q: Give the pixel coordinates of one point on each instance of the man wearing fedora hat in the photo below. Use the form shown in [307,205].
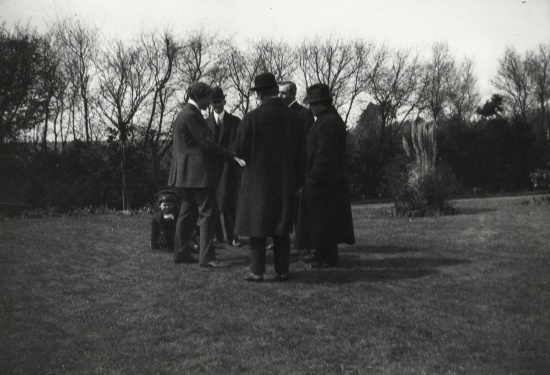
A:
[324,218]
[224,127]
[271,141]
[193,174]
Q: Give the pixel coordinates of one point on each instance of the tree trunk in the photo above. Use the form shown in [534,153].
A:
[123,174]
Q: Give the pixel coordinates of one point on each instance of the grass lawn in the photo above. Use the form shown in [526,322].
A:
[463,294]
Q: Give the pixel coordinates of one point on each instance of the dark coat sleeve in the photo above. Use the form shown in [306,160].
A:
[205,140]
[325,164]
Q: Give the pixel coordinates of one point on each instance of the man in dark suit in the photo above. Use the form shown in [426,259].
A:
[224,127]
[193,173]
[271,141]
[287,92]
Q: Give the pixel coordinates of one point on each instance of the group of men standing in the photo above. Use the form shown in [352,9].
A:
[292,176]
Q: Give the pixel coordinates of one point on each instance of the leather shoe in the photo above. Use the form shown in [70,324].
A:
[254,278]
[189,259]
[281,277]
[212,264]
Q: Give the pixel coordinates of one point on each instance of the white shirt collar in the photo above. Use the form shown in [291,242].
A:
[219,116]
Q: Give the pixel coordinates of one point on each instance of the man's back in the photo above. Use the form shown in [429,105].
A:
[272,142]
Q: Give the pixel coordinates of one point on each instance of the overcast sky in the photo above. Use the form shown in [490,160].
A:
[479,29]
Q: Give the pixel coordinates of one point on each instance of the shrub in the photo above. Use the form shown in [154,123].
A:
[417,192]
[540,178]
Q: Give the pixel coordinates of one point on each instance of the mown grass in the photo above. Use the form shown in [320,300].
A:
[462,294]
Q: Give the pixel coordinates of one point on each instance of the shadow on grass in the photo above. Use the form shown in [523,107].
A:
[353,269]
[379,249]
[474,211]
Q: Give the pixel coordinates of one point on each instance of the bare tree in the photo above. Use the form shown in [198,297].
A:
[161,53]
[513,81]
[342,65]
[463,91]
[52,84]
[393,84]
[436,85]
[199,58]
[538,72]
[80,42]
[276,57]
[124,83]
[241,67]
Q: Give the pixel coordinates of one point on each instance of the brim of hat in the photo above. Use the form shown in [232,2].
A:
[263,86]
[307,100]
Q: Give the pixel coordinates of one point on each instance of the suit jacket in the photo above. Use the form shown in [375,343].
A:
[195,154]
[306,114]
[271,141]
[227,187]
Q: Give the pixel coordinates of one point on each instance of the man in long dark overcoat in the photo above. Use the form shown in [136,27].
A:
[270,139]
[224,127]
[194,174]
[324,219]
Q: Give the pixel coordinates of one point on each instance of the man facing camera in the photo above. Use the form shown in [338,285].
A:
[224,127]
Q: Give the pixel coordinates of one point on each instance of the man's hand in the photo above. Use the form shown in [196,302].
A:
[241,162]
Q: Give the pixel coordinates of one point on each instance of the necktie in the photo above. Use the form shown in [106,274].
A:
[218,126]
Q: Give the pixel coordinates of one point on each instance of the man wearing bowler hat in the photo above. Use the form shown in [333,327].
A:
[224,127]
[271,141]
[324,218]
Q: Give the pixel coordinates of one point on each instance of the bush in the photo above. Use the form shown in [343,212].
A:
[540,178]
[417,192]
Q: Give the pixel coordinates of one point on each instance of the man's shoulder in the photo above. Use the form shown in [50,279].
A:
[298,107]
[232,117]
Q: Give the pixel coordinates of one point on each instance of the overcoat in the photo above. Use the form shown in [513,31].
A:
[325,210]
[226,193]
[307,116]
[195,154]
[271,139]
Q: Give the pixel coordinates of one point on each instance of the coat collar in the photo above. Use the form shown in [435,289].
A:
[273,101]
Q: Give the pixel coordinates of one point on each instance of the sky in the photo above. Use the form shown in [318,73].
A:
[478,29]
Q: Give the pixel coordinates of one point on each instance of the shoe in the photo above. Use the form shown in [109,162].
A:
[281,277]
[236,243]
[212,264]
[254,278]
[189,259]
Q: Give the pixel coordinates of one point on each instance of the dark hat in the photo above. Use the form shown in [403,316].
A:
[217,93]
[264,80]
[317,92]
[166,196]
